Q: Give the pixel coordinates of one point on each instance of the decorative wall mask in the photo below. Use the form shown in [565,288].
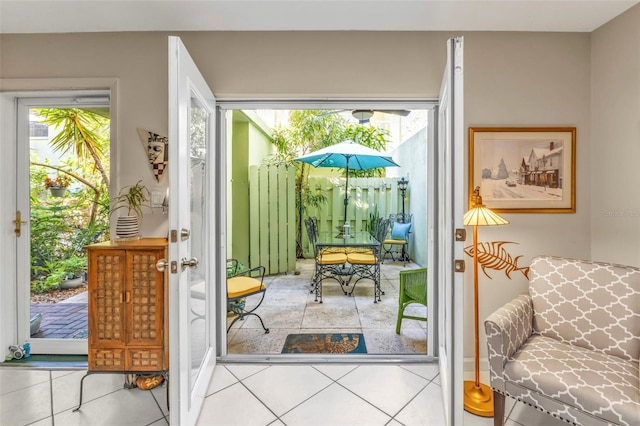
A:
[157,151]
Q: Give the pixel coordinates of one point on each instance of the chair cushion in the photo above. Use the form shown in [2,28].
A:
[399,242]
[602,385]
[400,231]
[331,258]
[243,286]
[361,258]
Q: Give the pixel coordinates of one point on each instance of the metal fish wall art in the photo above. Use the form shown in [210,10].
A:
[492,255]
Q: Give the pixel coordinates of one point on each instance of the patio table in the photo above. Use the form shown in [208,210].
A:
[356,241]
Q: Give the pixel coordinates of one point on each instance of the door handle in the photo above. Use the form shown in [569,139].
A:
[18,222]
[191,263]
[162,264]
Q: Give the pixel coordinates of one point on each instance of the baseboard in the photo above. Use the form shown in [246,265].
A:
[469,370]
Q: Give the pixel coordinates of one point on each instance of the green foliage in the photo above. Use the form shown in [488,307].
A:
[133,198]
[81,131]
[61,227]
[54,272]
[370,226]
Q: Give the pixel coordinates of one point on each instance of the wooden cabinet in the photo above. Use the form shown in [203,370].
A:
[128,306]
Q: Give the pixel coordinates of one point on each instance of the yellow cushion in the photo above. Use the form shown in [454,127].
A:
[242,286]
[401,242]
[332,258]
[361,258]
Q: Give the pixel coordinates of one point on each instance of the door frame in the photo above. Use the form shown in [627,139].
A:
[10,91]
[228,104]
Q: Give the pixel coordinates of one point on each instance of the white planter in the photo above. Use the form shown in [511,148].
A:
[72,283]
[127,227]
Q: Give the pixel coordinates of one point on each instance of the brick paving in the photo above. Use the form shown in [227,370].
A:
[61,320]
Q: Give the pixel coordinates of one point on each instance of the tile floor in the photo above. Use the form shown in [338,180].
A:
[290,308]
[261,394]
[248,395]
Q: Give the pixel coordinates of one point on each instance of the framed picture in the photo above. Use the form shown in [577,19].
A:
[524,169]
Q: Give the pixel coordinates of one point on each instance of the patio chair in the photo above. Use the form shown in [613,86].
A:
[328,262]
[413,289]
[399,238]
[366,265]
[241,285]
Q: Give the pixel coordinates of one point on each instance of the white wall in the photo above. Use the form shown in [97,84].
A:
[412,155]
[527,79]
[511,79]
[615,150]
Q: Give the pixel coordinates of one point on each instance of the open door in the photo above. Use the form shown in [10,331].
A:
[446,208]
[192,239]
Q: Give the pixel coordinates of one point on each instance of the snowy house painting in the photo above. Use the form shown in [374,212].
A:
[543,166]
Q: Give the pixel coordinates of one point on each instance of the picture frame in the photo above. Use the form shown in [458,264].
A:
[524,169]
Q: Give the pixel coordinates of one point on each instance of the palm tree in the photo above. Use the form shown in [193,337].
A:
[82,133]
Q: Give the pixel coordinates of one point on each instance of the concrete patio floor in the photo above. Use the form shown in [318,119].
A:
[289,308]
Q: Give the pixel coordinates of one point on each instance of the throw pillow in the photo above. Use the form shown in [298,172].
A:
[400,231]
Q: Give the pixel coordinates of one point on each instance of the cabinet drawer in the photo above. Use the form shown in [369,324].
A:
[106,359]
[145,359]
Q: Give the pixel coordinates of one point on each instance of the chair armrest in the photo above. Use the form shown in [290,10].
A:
[507,329]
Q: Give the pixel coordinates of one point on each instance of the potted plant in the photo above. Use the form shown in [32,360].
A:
[57,185]
[63,273]
[132,198]
[74,269]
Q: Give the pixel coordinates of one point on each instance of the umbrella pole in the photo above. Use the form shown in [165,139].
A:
[346,195]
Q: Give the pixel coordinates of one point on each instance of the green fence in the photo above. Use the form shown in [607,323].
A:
[272,218]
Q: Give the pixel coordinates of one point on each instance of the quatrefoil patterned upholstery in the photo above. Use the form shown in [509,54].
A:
[571,346]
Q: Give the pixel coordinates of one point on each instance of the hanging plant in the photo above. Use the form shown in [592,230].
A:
[58,182]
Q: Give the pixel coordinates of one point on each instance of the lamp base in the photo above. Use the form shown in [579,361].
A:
[478,400]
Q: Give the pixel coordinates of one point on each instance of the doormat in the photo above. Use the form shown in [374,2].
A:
[325,343]
[52,362]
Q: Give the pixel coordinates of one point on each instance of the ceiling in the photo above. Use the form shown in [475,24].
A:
[63,16]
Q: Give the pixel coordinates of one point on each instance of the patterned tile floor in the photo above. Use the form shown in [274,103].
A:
[248,395]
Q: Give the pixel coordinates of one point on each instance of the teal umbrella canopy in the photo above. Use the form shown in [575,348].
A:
[348,155]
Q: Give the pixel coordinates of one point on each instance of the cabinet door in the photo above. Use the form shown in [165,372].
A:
[106,309]
[144,297]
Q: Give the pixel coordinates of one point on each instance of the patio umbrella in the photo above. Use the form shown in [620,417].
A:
[348,155]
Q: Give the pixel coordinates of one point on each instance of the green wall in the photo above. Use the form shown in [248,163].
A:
[250,144]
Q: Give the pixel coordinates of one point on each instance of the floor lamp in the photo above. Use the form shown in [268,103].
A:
[478,398]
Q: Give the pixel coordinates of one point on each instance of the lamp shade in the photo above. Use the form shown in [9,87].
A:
[482,216]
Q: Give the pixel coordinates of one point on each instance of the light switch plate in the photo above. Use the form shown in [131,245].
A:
[156,199]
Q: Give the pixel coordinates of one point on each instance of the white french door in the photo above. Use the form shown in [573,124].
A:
[447,202]
[193,236]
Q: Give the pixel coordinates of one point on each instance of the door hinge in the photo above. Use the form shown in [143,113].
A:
[458,265]
[461,234]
